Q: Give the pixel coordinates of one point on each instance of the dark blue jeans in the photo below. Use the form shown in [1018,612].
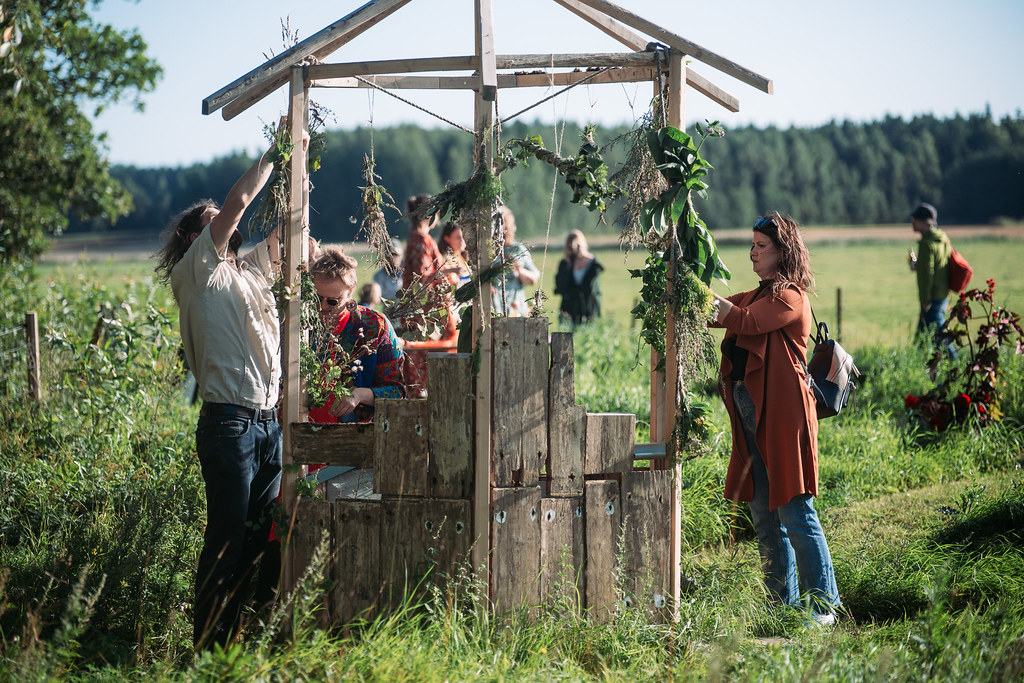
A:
[930,323]
[241,461]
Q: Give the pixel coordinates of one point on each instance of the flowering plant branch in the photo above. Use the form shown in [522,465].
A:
[971,390]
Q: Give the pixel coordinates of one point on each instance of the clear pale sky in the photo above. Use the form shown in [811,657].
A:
[856,61]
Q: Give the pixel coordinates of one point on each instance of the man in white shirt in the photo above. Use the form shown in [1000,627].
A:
[229,328]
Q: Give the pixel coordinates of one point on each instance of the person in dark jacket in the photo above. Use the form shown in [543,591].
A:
[576,280]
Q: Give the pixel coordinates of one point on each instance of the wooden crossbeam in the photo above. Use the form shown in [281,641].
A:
[631,75]
[682,44]
[271,75]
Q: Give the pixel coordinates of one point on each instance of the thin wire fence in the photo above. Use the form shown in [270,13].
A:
[13,360]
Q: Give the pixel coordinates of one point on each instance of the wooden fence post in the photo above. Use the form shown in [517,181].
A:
[35,388]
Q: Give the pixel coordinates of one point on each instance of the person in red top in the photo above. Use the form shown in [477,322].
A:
[422,257]
[774,463]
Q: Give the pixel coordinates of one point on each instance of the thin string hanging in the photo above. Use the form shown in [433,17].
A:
[414,105]
[559,92]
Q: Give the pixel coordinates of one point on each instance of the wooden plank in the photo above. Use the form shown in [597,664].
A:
[536,359]
[601,519]
[391,66]
[273,73]
[423,543]
[450,386]
[712,91]
[561,551]
[647,541]
[332,444]
[567,422]
[609,446]
[401,447]
[509,394]
[515,548]
[487,73]
[311,530]
[682,44]
[531,80]
[357,576]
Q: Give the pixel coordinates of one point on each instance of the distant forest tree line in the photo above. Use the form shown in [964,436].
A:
[971,168]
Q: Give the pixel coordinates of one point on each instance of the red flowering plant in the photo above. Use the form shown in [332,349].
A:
[971,387]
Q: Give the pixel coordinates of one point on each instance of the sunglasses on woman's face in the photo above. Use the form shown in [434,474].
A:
[330,301]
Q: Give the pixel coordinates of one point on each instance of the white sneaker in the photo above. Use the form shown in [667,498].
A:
[826,620]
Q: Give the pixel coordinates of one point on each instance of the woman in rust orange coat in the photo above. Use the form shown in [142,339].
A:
[774,463]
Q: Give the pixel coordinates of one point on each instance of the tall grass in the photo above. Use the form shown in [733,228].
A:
[103,509]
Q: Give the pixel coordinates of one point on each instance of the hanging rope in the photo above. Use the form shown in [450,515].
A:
[556,94]
[413,104]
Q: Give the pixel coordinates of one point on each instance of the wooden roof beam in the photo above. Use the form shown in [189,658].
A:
[471,82]
[273,73]
[679,43]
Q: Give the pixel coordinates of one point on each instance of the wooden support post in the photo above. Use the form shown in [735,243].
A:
[294,256]
[601,539]
[561,551]
[450,388]
[610,438]
[646,505]
[483,151]
[400,449]
[515,544]
[35,387]
[567,422]
[358,580]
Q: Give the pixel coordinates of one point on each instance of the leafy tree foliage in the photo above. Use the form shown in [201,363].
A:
[56,63]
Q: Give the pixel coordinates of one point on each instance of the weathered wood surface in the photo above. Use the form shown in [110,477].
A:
[602,516]
[401,428]
[246,90]
[422,541]
[515,547]
[609,445]
[450,387]
[358,578]
[647,527]
[561,551]
[682,44]
[332,444]
[311,531]
[487,73]
[567,422]
[35,387]
[520,400]
[527,80]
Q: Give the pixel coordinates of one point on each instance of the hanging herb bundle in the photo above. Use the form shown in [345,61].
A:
[274,207]
[374,198]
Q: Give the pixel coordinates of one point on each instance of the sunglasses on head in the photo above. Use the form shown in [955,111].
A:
[763,224]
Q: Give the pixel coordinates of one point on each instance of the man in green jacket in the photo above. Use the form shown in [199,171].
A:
[932,267]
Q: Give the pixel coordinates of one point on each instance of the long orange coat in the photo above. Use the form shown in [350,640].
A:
[787,422]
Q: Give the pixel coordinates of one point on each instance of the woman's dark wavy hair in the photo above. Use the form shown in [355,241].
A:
[794,261]
[175,237]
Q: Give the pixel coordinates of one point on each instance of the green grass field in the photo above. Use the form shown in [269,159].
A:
[103,512]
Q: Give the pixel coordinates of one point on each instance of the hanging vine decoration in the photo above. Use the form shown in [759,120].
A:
[374,198]
[676,235]
[274,207]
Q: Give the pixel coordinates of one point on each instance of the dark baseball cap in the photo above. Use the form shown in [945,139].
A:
[925,212]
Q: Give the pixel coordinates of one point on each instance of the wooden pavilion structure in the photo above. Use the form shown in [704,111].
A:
[496,451]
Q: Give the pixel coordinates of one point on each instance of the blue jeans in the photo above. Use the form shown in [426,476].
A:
[931,321]
[794,553]
[241,462]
